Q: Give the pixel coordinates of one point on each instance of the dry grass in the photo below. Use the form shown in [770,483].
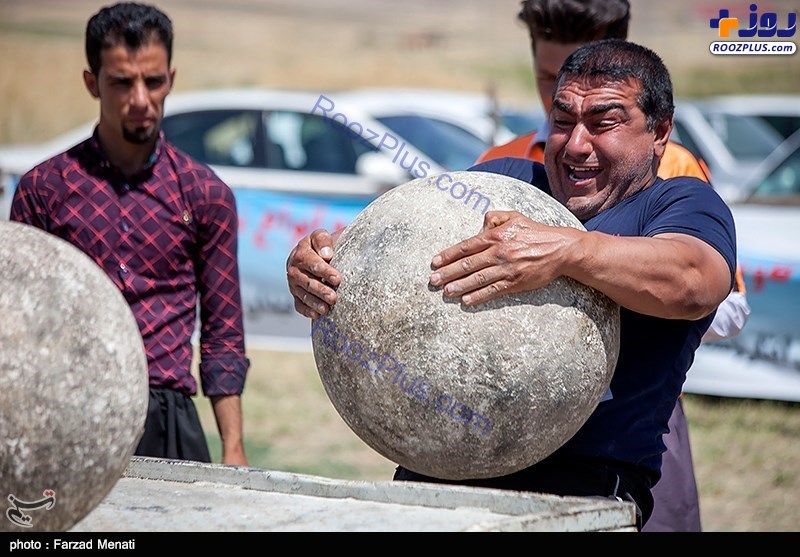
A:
[291,425]
[746,453]
[322,46]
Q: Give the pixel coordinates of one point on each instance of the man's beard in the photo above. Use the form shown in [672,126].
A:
[139,136]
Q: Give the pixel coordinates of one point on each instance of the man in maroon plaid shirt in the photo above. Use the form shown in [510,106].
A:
[162,226]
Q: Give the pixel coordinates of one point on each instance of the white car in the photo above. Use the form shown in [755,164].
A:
[731,145]
[764,360]
[478,114]
[782,112]
[292,170]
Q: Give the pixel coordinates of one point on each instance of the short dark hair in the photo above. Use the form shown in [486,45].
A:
[575,21]
[616,60]
[128,23]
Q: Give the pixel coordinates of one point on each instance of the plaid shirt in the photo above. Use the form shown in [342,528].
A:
[163,236]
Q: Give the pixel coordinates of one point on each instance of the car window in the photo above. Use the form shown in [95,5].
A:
[221,137]
[307,142]
[746,137]
[784,125]
[521,123]
[782,185]
[450,146]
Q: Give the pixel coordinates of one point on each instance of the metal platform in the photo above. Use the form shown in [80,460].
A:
[179,496]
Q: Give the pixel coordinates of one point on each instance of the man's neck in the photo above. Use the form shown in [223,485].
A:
[128,157]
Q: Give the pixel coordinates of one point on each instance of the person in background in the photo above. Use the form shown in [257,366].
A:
[556,28]
[162,226]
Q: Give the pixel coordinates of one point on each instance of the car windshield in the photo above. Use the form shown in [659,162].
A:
[785,125]
[746,137]
[446,144]
[782,185]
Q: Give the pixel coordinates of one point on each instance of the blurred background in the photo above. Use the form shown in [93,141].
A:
[469,45]
[452,77]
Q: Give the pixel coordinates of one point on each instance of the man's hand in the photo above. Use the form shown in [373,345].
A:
[311,279]
[228,412]
[512,254]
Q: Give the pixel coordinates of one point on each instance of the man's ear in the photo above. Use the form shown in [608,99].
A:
[90,80]
[171,78]
[662,133]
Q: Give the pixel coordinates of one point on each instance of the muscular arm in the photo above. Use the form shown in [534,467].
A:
[672,276]
[733,312]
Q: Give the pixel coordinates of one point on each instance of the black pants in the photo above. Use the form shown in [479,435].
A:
[173,429]
[568,475]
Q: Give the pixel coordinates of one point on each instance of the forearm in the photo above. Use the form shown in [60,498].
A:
[670,276]
[228,413]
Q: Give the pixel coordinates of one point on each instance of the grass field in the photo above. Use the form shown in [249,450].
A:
[746,452]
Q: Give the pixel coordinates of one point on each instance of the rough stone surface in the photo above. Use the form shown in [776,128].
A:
[73,380]
[445,390]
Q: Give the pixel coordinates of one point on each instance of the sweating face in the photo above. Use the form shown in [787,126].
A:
[599,150]
[132,86]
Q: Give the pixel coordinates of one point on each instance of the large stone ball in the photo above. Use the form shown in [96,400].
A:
[73,381]
[445,390]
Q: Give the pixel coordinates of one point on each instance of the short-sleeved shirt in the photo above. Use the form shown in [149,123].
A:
[655,353]
[165,236]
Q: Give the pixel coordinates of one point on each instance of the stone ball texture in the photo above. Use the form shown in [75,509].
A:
[449,391]
[73,381]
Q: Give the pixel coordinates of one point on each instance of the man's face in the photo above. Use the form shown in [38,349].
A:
[132,86]
[547,60]
[599,150]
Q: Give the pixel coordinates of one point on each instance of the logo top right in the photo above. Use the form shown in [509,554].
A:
[764,26]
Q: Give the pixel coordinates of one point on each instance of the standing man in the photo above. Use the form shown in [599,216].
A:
[664,250]
[162,226]
[556,28]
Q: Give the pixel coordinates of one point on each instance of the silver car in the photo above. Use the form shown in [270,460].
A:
[730,145]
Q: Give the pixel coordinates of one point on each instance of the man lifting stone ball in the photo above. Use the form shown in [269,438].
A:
[664,250]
